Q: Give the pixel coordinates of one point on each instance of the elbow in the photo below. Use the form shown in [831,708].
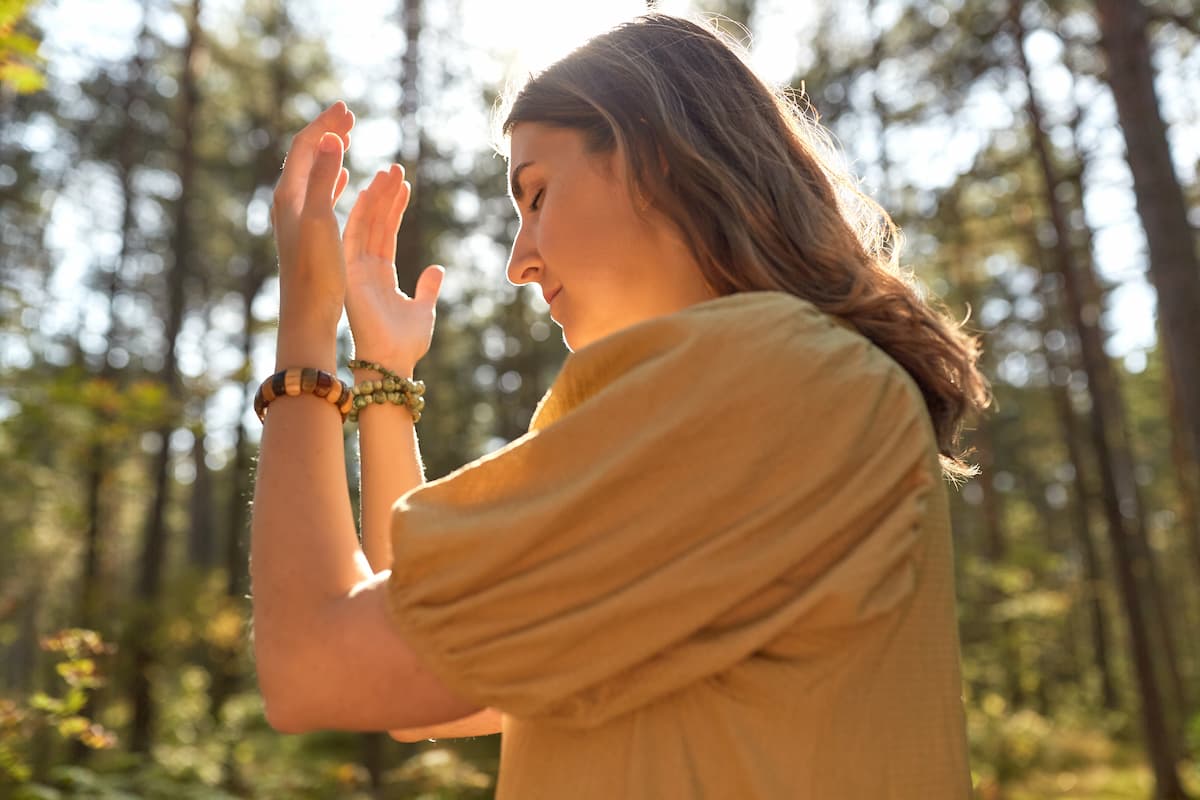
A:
[281,718]
[285,709]
[285,705]
[284,719]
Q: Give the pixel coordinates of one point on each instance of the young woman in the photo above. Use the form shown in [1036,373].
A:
[719,563]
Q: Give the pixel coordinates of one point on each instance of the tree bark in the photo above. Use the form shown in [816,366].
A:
[1174,265]
[1162,617]
[1083,500]
[235,556]
[1118,487]
[411,250]
[201,547]
[154,535]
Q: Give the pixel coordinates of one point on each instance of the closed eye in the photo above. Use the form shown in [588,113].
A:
[536,201]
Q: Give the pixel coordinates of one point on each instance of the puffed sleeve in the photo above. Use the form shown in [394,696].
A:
[668,522]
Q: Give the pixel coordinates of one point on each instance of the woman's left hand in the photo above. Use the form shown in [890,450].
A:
[312,270]
[388,326]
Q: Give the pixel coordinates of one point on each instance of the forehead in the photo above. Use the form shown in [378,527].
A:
[537,140]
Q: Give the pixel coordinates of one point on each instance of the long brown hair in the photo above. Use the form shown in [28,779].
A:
[754,184]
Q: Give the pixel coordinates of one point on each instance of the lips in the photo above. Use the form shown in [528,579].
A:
[549,297]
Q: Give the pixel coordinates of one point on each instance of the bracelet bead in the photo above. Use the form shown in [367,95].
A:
[307,380]
[391,388]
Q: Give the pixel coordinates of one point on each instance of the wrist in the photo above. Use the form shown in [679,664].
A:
[401,366]
[306,348]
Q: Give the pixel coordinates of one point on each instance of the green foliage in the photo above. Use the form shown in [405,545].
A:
[81,407]
[62,712]
[20,64]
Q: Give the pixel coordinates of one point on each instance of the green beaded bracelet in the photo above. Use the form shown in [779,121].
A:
[393,388]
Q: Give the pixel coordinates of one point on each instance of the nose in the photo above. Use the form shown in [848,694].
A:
[524,262]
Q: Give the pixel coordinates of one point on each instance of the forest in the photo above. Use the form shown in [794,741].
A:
[1040,156]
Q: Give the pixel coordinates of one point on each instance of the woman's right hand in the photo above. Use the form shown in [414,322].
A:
[388,326]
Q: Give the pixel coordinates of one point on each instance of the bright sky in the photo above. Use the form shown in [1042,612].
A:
[495,40]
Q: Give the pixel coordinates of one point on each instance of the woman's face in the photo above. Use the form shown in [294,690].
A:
[601,261]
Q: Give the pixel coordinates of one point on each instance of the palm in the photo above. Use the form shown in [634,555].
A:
[388,326]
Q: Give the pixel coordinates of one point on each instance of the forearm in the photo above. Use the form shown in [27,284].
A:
[390,465]
[304,553]
[482,723]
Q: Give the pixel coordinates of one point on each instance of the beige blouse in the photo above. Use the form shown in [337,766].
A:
[718,566]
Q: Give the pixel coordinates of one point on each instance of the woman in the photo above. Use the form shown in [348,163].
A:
[719,564]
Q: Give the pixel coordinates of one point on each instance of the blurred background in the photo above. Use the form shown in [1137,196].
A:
[1040,156]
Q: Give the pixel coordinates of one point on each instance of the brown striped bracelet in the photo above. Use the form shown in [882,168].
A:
[306,380]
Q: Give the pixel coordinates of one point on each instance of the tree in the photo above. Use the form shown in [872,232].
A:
[1125,525]
[149,578]
[1174,265]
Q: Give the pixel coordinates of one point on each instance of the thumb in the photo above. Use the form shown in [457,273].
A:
[429,284]
[323,177]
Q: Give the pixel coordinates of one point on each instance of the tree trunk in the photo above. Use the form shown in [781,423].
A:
[1162,616]
[154,536]
[411,251]
[1187,476]
[235,557]
[1119,489]
[1174,265]
[1083,500]
[201,548]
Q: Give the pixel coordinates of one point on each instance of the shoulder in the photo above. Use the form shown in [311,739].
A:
[792,339]
[770,348]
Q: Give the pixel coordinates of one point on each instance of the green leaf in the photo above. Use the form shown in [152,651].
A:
[11,11]
[44,702]
[72,726]
[19,43]
[22,78]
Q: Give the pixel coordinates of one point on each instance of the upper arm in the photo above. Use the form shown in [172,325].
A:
[353,671]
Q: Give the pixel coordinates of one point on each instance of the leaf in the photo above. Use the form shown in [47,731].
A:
[11,12]
[19,43]
[24,79]
[44,702]
[72,726]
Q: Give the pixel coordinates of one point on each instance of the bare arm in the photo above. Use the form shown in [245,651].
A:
[390,466]
[327,653]
[394,331]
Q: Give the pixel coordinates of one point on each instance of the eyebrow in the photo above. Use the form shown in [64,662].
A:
[515,181]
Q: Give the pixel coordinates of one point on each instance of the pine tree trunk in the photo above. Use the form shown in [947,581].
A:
[1118,487]
[154,536]
[1162,615]
[1083,500]
[201,548]
[411,251]
[235,556]
[1174,265]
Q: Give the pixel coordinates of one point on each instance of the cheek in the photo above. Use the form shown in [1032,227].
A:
[586,233]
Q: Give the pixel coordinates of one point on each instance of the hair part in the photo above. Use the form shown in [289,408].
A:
[755,185]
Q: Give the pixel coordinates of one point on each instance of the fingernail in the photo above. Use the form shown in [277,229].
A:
[329,143]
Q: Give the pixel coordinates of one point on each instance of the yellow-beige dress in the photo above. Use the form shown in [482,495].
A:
[717,566]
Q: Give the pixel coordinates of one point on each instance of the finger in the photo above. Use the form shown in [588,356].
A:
[383,237]
[324,175]
[429,284]
[337,119]
[360,223]
[396,212]
[343,179]
[354,236]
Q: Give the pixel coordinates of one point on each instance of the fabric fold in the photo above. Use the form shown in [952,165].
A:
[693,491]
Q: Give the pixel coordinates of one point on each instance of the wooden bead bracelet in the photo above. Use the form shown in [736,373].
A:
[307,380]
